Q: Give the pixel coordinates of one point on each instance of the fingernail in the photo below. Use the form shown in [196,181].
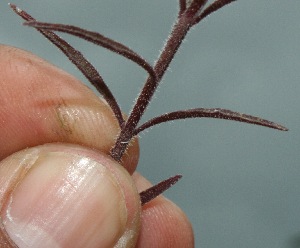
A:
[65,200]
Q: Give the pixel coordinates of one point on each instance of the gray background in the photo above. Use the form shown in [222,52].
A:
[241,183]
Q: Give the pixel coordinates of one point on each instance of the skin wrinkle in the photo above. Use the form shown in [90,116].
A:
[88,102]
[73,118]
[19,173]
[84,168]
[62,117]
[46,92]
[5,240]
[62,220]
[66,191]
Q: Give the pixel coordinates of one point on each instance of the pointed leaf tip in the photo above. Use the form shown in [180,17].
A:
[156,190]
[216,113]
[97,39]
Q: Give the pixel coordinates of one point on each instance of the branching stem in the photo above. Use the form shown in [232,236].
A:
[191,12]
[178,33]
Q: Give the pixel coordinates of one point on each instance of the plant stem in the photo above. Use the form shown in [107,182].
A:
[179,31]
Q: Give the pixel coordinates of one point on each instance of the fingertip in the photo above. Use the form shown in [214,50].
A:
[164,224]
[41,104]
[67,196]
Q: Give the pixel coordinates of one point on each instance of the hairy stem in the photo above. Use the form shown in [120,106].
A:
[178,33]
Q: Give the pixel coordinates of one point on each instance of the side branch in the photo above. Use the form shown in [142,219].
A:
[99,40]
[178,33]
[195,7]
[87,69]
[218,4]
[217,113]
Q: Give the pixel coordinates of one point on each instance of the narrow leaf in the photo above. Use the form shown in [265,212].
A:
[156,190]
[87,69]
[195,6]
[218,4]
[182,6]
[97,39]
[209,113]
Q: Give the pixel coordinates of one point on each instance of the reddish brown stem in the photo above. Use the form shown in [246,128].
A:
[185,21]
[190,13]
[179,32]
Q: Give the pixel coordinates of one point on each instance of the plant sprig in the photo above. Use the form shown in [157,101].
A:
[190,13]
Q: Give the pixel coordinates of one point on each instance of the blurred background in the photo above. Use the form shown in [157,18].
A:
[240,185]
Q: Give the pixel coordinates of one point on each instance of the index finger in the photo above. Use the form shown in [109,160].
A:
[40,103]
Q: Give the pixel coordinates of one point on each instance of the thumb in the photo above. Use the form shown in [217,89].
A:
[66,196]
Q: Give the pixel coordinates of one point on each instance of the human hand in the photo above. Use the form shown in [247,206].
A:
[70,193]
